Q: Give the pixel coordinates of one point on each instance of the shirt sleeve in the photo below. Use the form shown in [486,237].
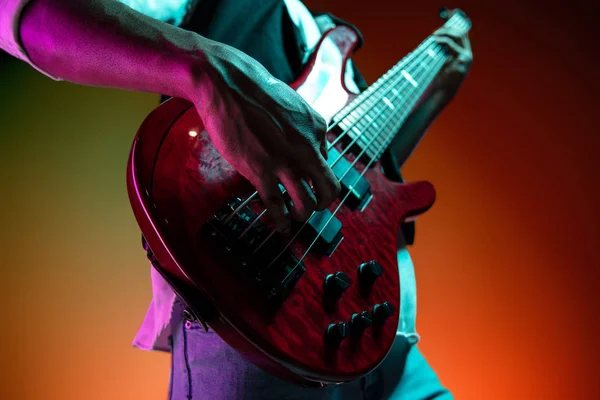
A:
[10,41]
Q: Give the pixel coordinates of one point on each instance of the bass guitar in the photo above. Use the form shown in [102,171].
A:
[322,305]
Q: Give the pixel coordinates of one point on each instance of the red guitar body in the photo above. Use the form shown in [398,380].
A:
[177,181]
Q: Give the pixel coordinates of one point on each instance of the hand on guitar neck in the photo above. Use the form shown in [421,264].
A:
[454,72]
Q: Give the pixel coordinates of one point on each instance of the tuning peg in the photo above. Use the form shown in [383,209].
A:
[444,13]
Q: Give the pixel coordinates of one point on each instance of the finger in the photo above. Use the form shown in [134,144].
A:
[304,200]
[466,42]
[323,144]
[463,41]
[459,67]
[268,190]
[325,184]
[320,123]
[321,128]
[324,151]
[452,33]
[450,45]
[459,37]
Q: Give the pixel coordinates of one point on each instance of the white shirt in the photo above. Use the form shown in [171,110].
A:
[156,327]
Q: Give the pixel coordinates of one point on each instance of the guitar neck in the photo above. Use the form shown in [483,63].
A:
[373,118]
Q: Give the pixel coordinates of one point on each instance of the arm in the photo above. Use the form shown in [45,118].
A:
[105,43]
[262,127]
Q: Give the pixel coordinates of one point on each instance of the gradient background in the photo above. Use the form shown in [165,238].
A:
[507,260]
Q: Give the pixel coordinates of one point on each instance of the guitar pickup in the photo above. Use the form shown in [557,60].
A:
[327,227]
[237,236]
[351,181]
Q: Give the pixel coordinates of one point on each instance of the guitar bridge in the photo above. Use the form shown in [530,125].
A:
[274,271]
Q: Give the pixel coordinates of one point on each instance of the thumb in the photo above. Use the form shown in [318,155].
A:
[324,150]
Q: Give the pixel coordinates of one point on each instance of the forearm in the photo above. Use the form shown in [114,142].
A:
[105,43]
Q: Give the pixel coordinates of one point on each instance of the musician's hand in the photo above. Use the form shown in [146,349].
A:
[266,131]
[457,67]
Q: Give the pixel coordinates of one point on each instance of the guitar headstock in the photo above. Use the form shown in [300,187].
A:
[456,18]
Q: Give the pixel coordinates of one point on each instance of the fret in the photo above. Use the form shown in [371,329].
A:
[382,108]
[363,140]
[373,125]
[369,125]
[409,78]
[389,103]
[355,132]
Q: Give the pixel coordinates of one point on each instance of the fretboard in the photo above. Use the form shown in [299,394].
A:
[374,117]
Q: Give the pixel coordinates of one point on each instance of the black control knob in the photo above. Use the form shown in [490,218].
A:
[369,272]
[335,333]
[381,312]
[360,322]
[336,283]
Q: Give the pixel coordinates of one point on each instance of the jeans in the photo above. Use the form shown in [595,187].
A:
[205,367]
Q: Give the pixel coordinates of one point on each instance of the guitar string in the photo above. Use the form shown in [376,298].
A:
[377,101]
[399,110]
[407,100]
[394,72]
[382,148]
[369,94]
[383,145]
[396,69]
[361,99]
[425,50]
[381,112]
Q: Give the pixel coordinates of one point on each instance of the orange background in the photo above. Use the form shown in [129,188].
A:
[507,260]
